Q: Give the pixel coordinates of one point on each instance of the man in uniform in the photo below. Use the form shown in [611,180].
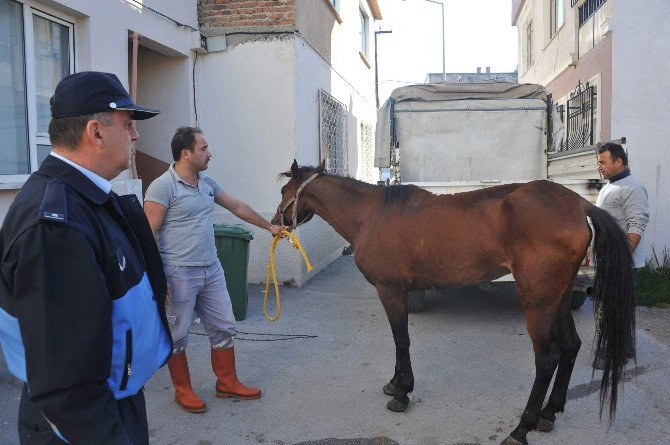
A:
[82,290]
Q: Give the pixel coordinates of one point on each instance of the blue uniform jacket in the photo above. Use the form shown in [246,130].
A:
[82,301]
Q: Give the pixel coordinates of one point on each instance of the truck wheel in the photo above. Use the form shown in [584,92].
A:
[416,300]
[577,299]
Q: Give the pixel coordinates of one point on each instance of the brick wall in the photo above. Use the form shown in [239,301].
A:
[253,14]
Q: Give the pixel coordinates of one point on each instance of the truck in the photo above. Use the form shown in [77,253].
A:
[457,137]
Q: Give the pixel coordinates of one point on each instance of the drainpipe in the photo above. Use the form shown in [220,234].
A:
[133,93]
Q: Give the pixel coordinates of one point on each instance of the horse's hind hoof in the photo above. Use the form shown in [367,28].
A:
[512,441]
[390,389]
[396,406]
[544,425]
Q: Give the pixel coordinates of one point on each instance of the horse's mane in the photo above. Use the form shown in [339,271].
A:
[396,194]
[392,193]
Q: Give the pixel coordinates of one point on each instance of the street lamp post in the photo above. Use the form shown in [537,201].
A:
[444,72]
[379,31]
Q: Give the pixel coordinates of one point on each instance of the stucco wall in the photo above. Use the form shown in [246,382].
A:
[316,23]
[165,83]
[247,94]
[597,61]
[641,44]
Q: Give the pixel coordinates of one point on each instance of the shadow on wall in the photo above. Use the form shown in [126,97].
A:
[149,168]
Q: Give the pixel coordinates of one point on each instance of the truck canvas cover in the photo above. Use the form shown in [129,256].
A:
[465,132]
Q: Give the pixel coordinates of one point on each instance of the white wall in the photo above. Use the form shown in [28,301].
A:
[164,83]
[246,103]
[640,83]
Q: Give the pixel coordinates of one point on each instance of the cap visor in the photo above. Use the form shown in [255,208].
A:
[138,112]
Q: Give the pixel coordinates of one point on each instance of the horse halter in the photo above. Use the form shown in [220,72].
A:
[281,209]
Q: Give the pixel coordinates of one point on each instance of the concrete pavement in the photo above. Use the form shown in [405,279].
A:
[323,364]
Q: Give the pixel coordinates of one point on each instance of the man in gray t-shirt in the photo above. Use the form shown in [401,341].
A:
[179,206]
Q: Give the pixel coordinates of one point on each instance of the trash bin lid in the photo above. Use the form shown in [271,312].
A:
[233,231]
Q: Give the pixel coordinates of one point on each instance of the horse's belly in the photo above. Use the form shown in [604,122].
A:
[449,279]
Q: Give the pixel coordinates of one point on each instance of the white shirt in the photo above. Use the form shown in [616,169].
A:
[98,180]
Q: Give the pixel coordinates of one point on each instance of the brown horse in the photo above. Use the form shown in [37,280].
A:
[406,238]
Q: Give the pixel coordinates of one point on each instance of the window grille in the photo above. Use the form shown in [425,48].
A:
[368,171]
[333,133]
[588,9]
[579,115]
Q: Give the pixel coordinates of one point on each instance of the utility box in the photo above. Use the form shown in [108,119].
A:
[232,248]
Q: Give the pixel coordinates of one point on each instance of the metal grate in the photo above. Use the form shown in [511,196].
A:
[588,9]
[579,117]
[333,133]
[368,171]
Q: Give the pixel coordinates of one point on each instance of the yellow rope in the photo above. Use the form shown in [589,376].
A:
[271,271]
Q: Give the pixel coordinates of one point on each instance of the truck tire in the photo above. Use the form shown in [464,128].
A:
[577,299]
[416,300]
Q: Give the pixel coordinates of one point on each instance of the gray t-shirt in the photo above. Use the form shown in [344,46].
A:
[186,237]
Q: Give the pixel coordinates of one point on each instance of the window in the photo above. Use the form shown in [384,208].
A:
[333,133]
[590,16]
[580,113]
[36,52]
[365,36]
[529,44]
[556,17]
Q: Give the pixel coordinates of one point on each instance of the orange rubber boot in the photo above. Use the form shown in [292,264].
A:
[181,379]
[227,385]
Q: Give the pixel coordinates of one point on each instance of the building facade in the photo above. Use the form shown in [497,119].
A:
[296,81]
[43,41]
[267,81]
[605,62]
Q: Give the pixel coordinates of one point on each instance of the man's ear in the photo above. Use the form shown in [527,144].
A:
[294,170]
[322,167]
[92,132]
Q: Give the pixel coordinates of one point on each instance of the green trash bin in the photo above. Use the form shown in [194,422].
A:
[232,248]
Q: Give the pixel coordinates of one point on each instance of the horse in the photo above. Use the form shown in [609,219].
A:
[406,238]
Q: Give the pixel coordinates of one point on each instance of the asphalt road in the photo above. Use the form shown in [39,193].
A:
[323,364]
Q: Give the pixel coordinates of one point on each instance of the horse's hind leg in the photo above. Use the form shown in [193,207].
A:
[402,383]
[541,328]
[569,344]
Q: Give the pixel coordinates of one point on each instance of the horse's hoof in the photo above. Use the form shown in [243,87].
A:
[396,406]
[544,425]
[390,389]
[512,441]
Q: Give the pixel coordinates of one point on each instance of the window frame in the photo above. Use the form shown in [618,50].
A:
[556,9]
[31,9]
[364,19]
[528,46]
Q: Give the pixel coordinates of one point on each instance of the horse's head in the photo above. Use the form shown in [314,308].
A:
[291,211]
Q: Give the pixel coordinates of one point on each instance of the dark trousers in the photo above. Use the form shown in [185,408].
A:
[34,429]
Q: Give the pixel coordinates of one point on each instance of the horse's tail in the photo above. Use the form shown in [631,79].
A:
[614,293]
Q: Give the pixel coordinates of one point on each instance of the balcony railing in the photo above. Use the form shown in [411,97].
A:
[578,116]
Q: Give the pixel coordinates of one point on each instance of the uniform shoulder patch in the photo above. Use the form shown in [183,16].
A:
[54,202]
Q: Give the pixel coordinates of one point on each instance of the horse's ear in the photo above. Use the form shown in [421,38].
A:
[294,170]
[322,167]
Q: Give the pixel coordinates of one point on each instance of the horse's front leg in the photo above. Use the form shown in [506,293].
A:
[402,383]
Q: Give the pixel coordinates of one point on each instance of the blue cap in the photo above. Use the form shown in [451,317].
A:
[92,92]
